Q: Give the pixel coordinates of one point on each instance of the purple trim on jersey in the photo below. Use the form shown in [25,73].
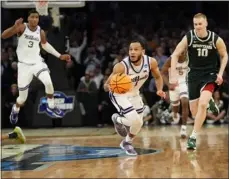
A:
[39,72]
[148,63]
[143,63]
[182,93]
[140,110]
[23,88]
[127,69]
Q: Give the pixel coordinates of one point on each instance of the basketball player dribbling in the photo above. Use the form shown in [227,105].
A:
[30,63]
[204,49]
[178,93]
[129,120]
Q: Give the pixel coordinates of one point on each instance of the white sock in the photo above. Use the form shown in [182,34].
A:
[129,139]
[16,108]
[184,127]
[194,134]
[51,102]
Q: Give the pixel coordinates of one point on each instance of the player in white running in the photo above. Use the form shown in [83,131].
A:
[30,63]
[129,120]
[179,92]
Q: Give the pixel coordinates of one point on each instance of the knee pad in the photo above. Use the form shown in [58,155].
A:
[46,80]
[22,96]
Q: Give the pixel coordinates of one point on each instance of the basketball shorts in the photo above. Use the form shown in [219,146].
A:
[195,86]
[126,104]
[27,71]
[180,91]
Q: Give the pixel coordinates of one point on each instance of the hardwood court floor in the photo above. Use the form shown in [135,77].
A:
[95,153]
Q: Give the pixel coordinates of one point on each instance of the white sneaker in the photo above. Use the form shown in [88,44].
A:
[175,120]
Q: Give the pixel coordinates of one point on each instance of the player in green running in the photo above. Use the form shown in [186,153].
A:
[204,49]
[15,134]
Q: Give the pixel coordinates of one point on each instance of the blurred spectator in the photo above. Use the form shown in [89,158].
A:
[91,61]
[160,57]
[11,96]
[87,84]
[162,111]
[212,118]
[75,49]
[105,107]
[98,77]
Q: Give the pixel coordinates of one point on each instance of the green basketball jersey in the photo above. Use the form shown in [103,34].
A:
[202,54]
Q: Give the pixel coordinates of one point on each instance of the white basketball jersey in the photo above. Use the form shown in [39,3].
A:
[181,71]
[28,49]
[138,74]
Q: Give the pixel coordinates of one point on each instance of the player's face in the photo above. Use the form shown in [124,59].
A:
[135,52]
[33,19]
[200,24]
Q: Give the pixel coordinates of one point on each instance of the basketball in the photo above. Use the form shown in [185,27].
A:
[120,83]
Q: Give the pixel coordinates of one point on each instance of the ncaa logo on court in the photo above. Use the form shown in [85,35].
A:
[62,101]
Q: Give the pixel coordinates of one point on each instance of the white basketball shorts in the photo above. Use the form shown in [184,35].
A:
[26,73]
[180,91]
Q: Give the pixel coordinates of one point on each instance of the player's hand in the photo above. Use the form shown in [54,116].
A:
[172,86]
[161,93]
[219,80]
[106,87]
[65,57]
[18,22]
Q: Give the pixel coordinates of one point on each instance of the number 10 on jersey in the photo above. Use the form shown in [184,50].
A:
[202,52]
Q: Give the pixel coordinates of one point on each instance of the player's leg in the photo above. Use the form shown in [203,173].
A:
[127,123]
[205,96]
[185,109]
[184,117]
[24,79]
[15,134]
[175,101]
[194,94]
[42,73]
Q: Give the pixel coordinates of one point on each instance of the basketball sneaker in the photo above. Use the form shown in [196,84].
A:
[191,144]
[14,115]
[212,107]
[129,149]
[20,135]
[121,129]
[55,111]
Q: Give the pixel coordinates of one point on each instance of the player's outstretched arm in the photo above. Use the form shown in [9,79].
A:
[118,68]
[17,28]
[181,47]
[165,71]
[158,78]
[49,48]
[221,47]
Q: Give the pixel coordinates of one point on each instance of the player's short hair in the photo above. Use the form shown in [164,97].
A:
[138,41]
[33,11]
[198,15]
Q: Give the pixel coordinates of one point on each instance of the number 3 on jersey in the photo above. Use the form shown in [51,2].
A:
[30,45]
[202,52]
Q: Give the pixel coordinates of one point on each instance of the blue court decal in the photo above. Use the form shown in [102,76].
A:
[35,158]
[62,101]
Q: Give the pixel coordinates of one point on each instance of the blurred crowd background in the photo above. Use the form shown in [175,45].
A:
[96,36]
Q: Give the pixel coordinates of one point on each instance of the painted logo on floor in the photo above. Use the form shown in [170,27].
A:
[38,157]
[62,101]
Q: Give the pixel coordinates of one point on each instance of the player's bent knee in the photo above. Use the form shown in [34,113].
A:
[134,117]
[203,104]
